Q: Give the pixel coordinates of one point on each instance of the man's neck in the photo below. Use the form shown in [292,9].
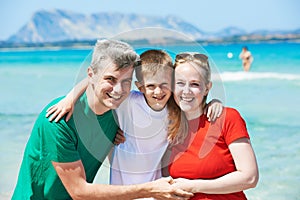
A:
[97,107]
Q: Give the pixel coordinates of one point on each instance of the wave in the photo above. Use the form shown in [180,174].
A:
[240,76]
[16,115]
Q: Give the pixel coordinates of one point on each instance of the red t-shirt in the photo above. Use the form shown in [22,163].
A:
[205,153]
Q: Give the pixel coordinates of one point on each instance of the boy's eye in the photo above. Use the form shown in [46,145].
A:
[150,87]
[165,86]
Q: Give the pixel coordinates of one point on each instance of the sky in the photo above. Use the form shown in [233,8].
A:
[207,15]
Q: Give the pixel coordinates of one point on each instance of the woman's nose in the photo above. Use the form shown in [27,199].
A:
[186,89]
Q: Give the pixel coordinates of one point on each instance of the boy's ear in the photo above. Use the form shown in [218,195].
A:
[139,86]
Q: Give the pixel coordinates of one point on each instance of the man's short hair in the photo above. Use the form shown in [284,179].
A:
[113,51]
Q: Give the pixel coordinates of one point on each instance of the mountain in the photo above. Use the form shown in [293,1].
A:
[67,28]
[60,25]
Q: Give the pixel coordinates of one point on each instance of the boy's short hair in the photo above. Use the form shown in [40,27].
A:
[119,53]
[153,61]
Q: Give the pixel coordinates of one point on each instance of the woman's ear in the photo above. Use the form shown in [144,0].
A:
[208,87]
[139,86]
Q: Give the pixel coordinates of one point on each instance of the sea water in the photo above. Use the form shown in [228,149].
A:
[267,98]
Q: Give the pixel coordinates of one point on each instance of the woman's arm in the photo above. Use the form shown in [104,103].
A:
[66,105]
[245,176]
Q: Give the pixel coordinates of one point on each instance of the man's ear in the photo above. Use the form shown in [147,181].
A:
[139,86]
[90,72]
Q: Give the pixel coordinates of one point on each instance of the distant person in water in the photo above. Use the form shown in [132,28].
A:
[246,58]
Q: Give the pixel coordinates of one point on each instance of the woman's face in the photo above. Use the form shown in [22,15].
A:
[190,89]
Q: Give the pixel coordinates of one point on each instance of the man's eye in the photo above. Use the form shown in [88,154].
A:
[126,83]
[110,78]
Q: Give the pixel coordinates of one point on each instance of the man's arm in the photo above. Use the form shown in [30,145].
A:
[73,178]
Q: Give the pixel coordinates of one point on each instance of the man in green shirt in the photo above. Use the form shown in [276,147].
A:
[61,159]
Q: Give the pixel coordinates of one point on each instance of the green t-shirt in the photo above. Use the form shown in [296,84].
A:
[86,137]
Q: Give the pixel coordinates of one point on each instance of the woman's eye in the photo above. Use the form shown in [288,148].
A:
[179,83]
[195,84]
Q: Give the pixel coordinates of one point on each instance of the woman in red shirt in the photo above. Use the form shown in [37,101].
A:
[213,160]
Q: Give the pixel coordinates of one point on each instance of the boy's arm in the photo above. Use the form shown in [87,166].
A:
[66,105]
[213,109]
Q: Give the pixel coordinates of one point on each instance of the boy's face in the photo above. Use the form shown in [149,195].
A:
[157,88]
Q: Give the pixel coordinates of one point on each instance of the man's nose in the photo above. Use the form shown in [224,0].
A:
[118,88]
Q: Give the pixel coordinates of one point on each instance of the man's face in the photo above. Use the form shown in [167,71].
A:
[111,86]
[157,89]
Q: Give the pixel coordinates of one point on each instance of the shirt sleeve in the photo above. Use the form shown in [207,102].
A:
[234,127]
[60,142]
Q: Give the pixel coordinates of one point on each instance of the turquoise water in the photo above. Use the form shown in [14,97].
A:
[267,97]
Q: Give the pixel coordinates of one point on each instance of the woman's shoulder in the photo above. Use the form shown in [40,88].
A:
[231,113]
[231,110]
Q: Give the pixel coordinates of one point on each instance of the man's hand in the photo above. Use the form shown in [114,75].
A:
[120,138]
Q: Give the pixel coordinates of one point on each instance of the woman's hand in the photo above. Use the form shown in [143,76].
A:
[182,183]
